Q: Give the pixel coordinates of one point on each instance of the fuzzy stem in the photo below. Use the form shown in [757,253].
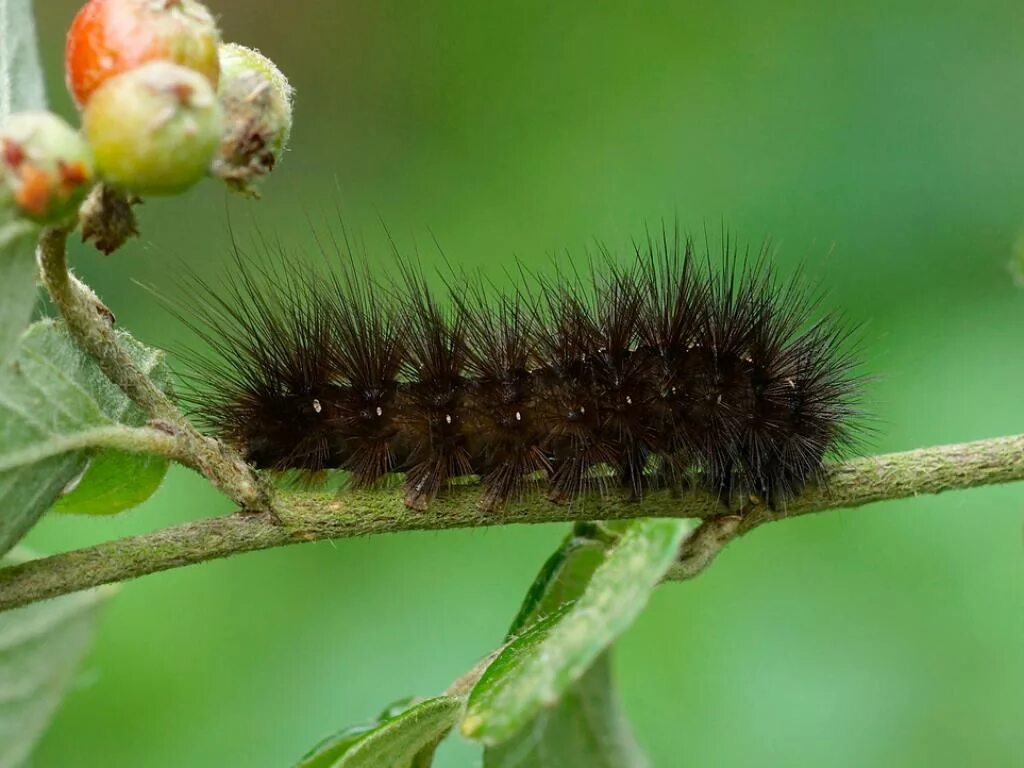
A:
[117,437]
[91,325]
[312,516]
[702,546]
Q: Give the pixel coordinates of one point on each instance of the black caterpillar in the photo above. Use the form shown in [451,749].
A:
[662,372]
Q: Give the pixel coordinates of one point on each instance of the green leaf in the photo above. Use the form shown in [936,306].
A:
[562,579]
[41,646]
[536,669]
[587,728]
[113,482]
[51,392]
[404,736]
[21,76]
[329,751]
[17,282]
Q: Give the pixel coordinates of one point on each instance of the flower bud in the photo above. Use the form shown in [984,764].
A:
[257,102]
[154,130]
[46,167]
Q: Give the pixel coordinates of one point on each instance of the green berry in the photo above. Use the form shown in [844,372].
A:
[46,167]
[154,129]
[257,102]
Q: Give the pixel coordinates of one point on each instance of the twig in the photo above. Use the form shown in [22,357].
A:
[702,546]
[90,324]
[117,437]
[312,516]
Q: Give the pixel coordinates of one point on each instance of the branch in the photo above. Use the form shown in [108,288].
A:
[311,516]
[91,325]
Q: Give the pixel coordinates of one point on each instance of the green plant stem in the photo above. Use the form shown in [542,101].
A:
[311,516]
[91,325]
[116,437]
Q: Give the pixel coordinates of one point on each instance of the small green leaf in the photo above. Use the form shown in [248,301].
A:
[113,482]
[535,670]
[17,282]
[327,753]
[587,728]
[21,76]
[562,579]
[41,646]
[51,391]
[403,737]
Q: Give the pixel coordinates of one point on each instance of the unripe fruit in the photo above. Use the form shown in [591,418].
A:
[153,130]
[109,37]
[257,102]
[46,167]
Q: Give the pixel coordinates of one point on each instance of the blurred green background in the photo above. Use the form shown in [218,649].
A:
[880,143]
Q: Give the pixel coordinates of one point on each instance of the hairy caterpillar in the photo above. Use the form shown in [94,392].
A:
[665,371]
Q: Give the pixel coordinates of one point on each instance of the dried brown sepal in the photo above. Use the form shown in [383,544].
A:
[107,218]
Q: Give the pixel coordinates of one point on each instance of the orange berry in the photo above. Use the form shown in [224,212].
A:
[34,192]
[109,37]
[46,168]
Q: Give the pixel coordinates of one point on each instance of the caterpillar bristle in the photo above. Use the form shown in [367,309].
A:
[670,370]
[504,426]
[272,360]
[369,347]
[432,408]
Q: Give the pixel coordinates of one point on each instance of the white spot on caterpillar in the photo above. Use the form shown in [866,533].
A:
[317,407]
[519,416]
[629,400]
[582,410]
[380,411]
[448,419]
